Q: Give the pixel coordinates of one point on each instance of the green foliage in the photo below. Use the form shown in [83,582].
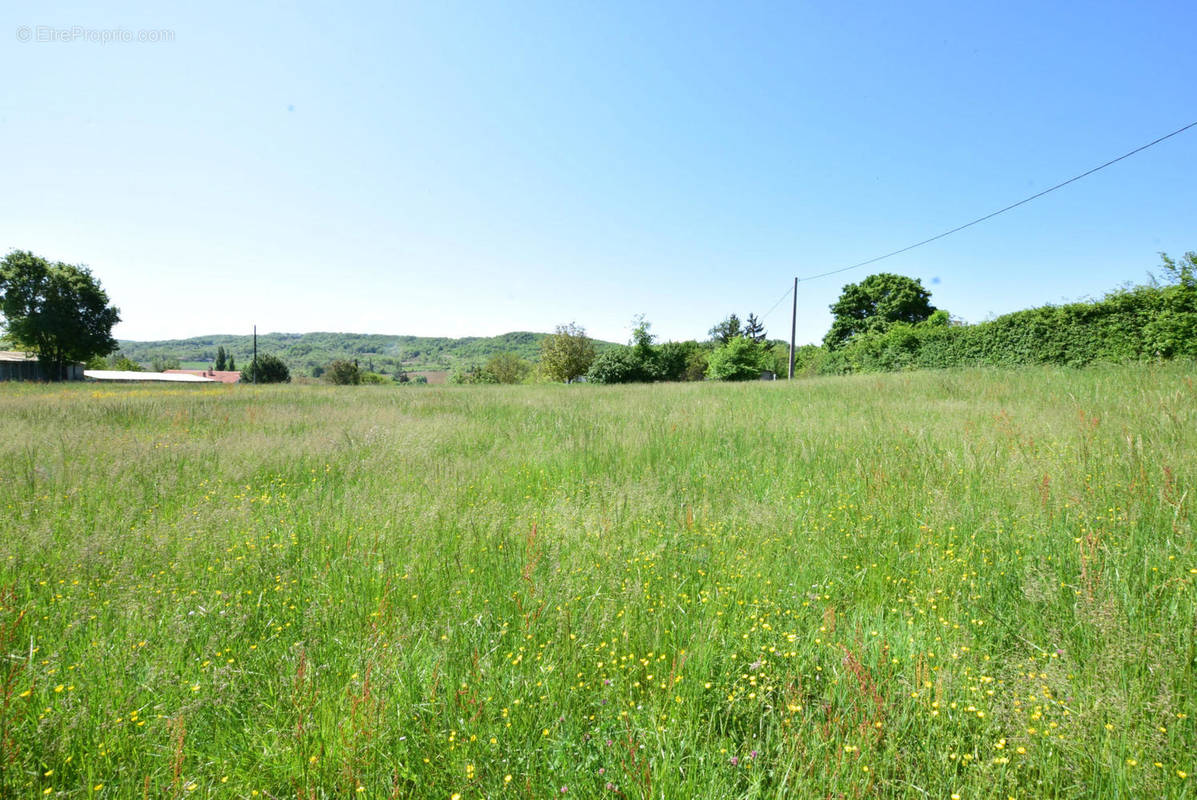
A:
[639,362]
[726,330]
[567,353]
[221,359]
[754,329]
[618,365]
[58,311]
[162,363]
[116,361]
[269,369]
[342,373]
[682,361]
[741,359]
[1135,324]
[876,303]
[777,357]
[472,374]
[308,353]
[507,368]
[1182,273]
[697,362]
[375,379]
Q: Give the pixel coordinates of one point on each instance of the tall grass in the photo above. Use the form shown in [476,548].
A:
[919,585]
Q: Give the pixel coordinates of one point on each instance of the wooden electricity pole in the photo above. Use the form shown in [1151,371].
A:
[793,327]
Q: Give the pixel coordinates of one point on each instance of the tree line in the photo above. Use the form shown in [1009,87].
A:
[885,322]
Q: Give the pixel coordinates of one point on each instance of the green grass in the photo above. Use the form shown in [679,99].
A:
[918,585]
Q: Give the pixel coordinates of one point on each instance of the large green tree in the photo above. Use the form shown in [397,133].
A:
[343,373]
[726,330]
[741,359]
[58,311]
[507,368]
[566,354]
[876,303]
[267,369]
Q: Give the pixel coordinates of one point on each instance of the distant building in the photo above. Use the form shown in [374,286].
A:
[18,366]
[130,376]
[220,376]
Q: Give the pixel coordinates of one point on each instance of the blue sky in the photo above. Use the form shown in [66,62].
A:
[474,168]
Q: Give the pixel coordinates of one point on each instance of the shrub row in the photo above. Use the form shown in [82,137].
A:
[1134,324]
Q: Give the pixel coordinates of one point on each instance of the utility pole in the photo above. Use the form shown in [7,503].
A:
[256,354]
[793,327]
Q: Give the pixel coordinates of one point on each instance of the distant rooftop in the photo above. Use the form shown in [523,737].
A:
[218,375]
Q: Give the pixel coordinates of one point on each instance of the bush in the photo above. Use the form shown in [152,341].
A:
[619,365]
[270,369]
[740,359]
[1142,322]
[472,374]
[681,361]
[507,368]
[343,373]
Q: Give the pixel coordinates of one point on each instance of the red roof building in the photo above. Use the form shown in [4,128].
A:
[221,376]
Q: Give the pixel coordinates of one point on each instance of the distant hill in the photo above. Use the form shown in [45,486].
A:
[304,352]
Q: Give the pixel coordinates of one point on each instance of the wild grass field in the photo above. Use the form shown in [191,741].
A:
[923,585]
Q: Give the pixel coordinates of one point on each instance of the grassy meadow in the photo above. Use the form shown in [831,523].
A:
[920,585]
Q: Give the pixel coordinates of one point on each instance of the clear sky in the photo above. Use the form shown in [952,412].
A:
[451,169]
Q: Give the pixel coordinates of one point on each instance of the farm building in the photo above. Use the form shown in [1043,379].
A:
[18,366]
[220,376]
[120,375]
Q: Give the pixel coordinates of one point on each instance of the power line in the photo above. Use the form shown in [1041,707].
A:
[999,211]
[765,316]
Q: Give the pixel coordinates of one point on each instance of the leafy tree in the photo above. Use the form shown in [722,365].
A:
[221,359]
[269,369]
[567,353]
[472,374]
[639,362]
[163,363]
[232,365]
[697,361]
[741,359]
[124,364]
[674,361]
[617,365]
[1182,273]
[876,303]
[375,379]
[727,330]
[754,329]
[642,344]
[115,361]
[507,368]
[343,373]
[58,311]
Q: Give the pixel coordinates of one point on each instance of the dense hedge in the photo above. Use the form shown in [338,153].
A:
[1140,323]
